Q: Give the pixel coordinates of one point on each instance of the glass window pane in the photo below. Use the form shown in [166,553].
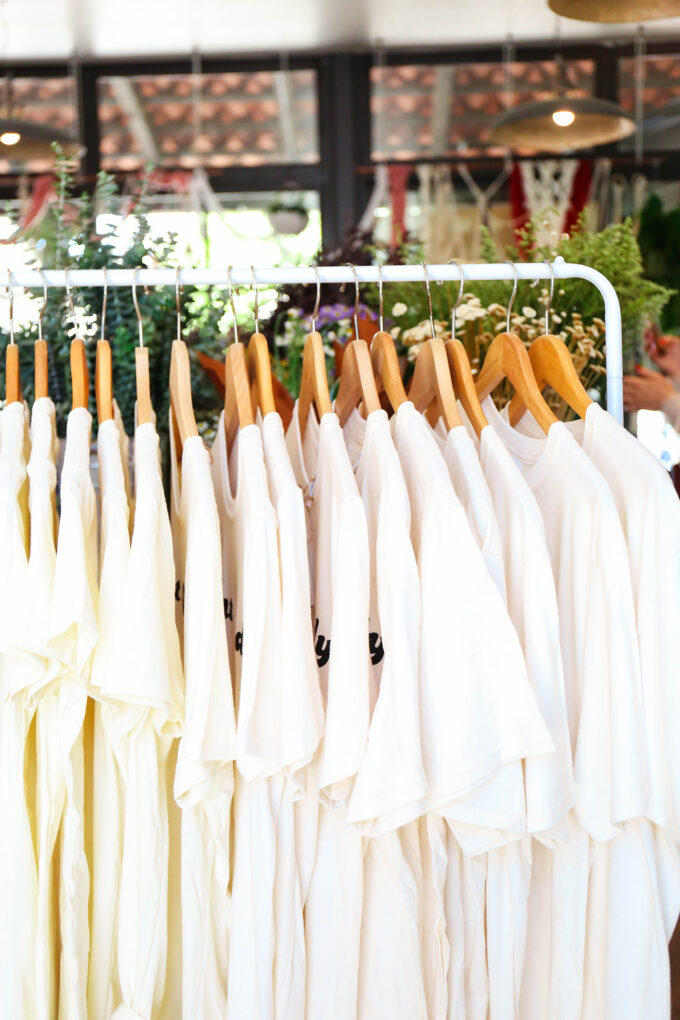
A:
[211,120]
[447,109]
[661,101]
[48,102]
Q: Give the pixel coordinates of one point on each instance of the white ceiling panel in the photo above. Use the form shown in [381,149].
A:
[43,29]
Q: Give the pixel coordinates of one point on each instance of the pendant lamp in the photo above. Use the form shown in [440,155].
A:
[561,124]
[616,10]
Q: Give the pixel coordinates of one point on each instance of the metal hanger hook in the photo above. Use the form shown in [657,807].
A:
[356,299]
[512,265]
[256,313]
[69,295]
[233,306]
[318,299]
[10,291]
[429,297]
[104,298]
[459,297]
[380,297]
[178,291]
[134,301]
[44,305]
[550,295]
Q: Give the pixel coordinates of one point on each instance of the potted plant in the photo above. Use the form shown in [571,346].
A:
[288,216]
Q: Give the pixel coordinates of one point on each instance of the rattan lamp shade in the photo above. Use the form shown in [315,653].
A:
[35,141]
[616,10]
[531,125]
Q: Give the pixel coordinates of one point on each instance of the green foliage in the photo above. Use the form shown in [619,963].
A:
[659,240]
[69,239]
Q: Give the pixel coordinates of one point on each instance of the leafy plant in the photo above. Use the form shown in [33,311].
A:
[79,232]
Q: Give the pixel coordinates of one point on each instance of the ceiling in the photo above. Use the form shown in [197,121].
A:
[54,29]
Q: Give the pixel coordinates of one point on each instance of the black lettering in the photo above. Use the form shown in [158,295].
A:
[239,642]
[322,646]
[375,647]
[228,609]
[179,592]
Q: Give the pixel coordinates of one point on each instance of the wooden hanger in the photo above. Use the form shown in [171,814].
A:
[459,367]
[142,379]
[103,372]
[385,360]
[12,373]
[357,382]
[238,408]
[313,382]
[41,385]
[552,365]
[80,373]
[431,377]
[431,383]
[103,381]
[507,358]
[181,403]
[259,365]
[464,384]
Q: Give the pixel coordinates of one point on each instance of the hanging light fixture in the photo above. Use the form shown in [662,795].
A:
[616,10]
[562,123]
[23,140]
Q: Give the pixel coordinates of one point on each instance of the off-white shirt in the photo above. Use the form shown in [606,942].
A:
[602,685]
[390,790]
[302,720]
[43,475]
[252,598]
[644,856]
[74,634]
[18,670]
[204,777]
[340,584]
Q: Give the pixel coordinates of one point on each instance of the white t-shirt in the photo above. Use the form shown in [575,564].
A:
[470,486]
[74,634]
[390,790]
[18,877]
[602,685]
[340,582]
[107,781]
[43,476]
[252,598]
[498,884]
[302,719]
[204,777]
[637,928]
[461,605]
[141,684]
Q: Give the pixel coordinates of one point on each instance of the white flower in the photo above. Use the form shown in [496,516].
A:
[395,331]
[399,308]
[528,312]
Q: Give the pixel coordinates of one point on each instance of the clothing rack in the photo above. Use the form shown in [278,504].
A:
[365,274]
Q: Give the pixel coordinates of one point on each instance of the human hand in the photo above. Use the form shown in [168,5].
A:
[665,352]
[646,390]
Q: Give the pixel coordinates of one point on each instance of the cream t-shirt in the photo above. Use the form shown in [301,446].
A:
[340,584]
[390,790]
[252,598]
[204,776]
[73,629]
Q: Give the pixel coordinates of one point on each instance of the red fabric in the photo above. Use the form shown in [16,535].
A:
[398,177]
[518,206]
[580,193]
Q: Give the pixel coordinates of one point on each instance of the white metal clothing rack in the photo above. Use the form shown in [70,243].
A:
[365,274]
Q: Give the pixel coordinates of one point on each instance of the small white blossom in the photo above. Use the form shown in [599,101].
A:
[395,331]
[529,312]
[399,308]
